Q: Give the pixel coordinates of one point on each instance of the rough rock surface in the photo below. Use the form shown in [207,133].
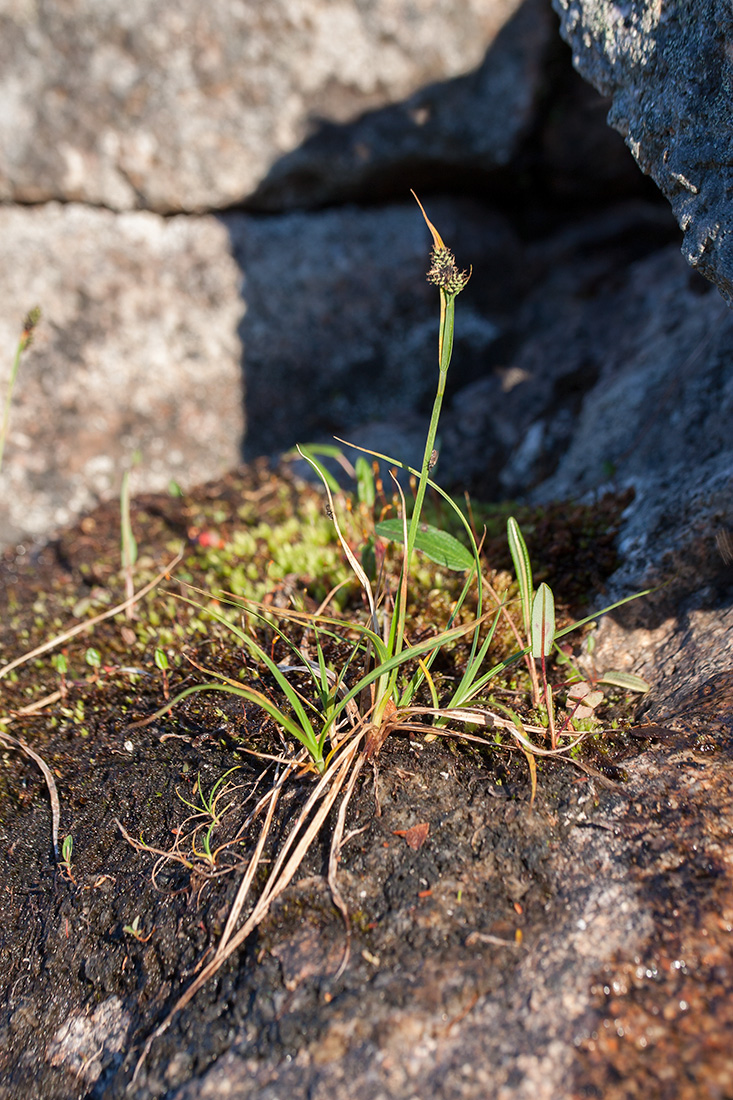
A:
[623,993]
[137,352]
[669,70]
[655,415]
[174,107]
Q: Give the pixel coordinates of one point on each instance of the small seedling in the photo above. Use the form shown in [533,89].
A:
[94,659]
[208,807]
[161,662]
[61,665]
[67,847]
[136,931]
[26,339]
[128,543]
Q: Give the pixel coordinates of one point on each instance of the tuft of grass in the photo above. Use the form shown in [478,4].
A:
[340,715]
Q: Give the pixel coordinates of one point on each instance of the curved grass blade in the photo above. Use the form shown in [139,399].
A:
[604,611]
[305,734]
[309,452]
[523,570]
[355,565]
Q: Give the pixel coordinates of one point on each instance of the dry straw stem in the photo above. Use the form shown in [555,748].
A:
[292,854]
[16,743]
[66,636]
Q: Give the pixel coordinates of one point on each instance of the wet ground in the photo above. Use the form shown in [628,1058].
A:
[578,948]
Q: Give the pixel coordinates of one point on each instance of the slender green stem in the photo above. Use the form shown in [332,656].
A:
[26,337]
[445,350]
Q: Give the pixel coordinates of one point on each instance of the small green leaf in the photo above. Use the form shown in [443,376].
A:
[625,680]
[365,488]
[161,659]
[59,662]
[543,621]
[523,570]
[437,545]
[93,657]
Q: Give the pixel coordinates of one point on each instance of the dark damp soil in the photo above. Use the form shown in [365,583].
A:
[465,903]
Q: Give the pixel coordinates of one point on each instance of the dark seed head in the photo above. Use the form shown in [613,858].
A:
[444,272]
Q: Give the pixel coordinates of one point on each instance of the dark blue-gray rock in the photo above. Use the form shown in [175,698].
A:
[669,70]
[649,351]
[341,324]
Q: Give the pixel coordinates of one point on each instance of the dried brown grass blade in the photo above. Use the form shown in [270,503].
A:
[285,868]
[59,639]
[16,743]
[337,843]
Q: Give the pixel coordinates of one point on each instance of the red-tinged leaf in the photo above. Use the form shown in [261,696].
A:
[415,836]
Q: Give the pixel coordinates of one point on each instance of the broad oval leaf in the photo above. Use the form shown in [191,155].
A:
[437,545]
[543,621]
[625,680]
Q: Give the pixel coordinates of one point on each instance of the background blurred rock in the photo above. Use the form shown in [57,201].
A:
[341,323]
[169,108]
[136,352]
[177,106]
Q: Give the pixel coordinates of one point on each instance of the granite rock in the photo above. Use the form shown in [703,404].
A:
[136,353]
[178,107]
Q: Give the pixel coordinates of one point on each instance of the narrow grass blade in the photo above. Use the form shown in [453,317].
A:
[464,690]
[303,733]
[431,684]
[355,565]
[309,454]
[283,683]
[604,611]
[411,653]
[523,570]
[267,614]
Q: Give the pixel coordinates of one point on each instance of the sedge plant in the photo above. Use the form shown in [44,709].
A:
[385,682]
